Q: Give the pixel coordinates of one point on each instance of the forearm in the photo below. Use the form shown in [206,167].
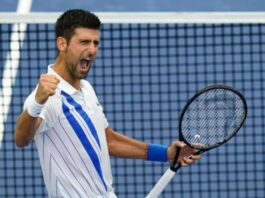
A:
[25,129]
[125,147]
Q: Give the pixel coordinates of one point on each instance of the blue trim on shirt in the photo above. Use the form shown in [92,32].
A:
[83,114]
[85,142]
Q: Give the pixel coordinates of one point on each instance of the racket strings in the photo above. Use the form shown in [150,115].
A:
[212,118]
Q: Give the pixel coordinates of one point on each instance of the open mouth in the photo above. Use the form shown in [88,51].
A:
[84,63]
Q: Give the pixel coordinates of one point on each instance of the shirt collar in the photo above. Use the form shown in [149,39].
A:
[63,84]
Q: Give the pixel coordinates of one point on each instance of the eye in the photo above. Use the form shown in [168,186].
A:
[96,43]
[84,42]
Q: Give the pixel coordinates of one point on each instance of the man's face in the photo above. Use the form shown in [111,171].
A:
[81,51]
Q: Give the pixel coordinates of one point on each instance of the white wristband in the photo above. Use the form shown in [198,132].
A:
[34,108]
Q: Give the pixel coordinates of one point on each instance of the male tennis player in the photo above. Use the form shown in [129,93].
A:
[67,122]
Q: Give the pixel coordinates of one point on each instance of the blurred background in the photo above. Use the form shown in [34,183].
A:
[140,5]
[143,76]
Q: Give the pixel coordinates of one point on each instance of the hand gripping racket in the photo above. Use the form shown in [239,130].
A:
[210,118]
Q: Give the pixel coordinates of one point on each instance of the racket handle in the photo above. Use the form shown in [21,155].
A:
[161,184]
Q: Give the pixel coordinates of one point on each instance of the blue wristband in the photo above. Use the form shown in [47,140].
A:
[157,152]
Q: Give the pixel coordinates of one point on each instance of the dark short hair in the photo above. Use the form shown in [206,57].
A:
[75,18]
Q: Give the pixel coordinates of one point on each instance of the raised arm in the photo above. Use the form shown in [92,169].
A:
[28,121]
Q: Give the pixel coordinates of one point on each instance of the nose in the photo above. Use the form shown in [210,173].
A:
[92,49]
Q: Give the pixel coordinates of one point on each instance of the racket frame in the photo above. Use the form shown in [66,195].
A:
[173,166]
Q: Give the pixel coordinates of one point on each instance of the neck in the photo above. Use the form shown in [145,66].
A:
[60,68]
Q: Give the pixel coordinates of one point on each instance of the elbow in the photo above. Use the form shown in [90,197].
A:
[20,145]
[19,142]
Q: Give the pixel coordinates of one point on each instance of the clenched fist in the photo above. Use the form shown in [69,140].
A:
[47,87]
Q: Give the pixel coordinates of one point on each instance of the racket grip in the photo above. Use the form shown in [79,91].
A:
[161,184]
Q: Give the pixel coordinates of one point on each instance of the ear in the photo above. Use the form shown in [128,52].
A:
[61,44]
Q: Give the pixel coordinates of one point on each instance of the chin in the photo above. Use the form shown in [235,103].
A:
[82,75]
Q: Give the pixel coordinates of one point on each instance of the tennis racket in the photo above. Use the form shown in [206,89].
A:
[209,119]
